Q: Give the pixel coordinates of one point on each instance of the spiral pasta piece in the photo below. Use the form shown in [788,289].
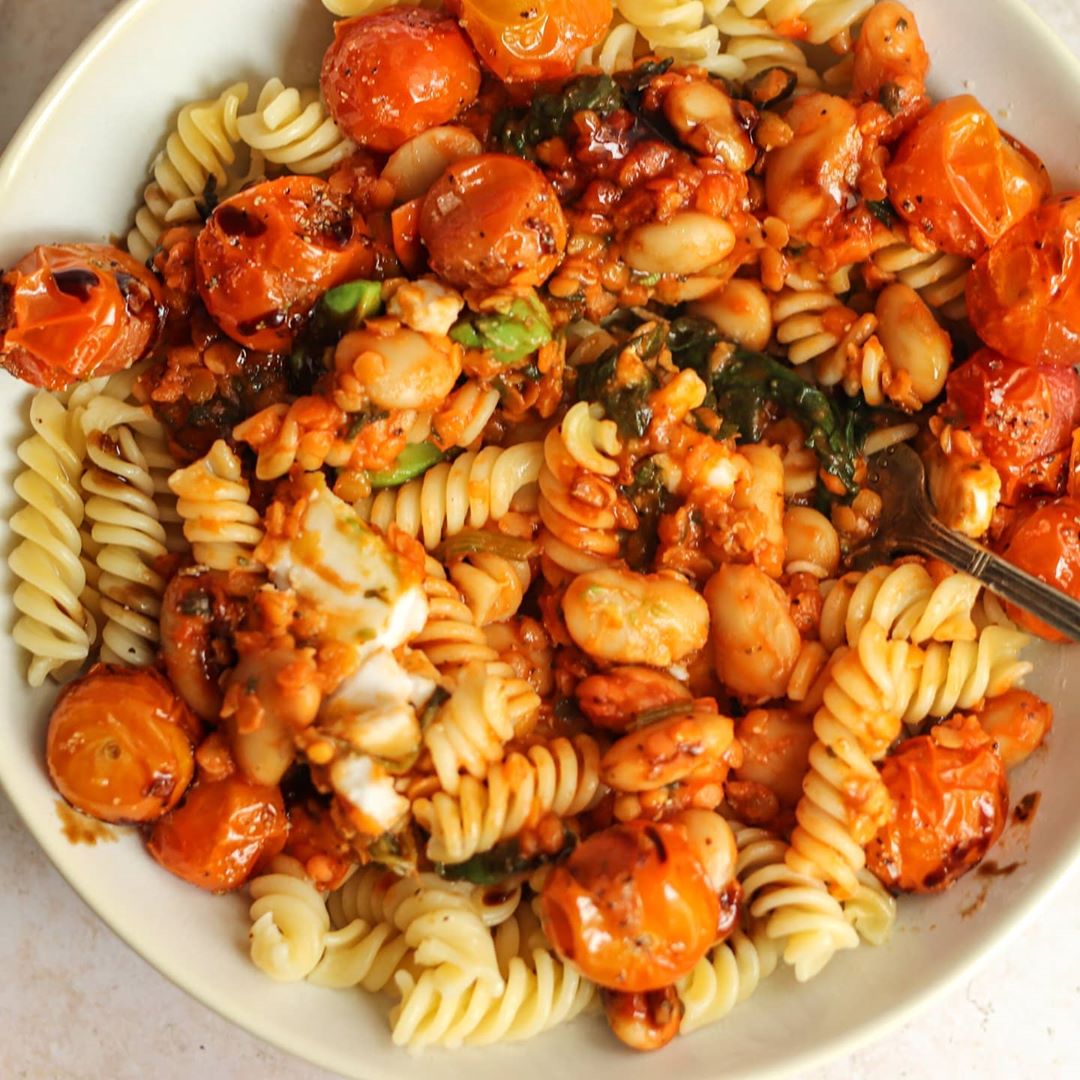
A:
[442,1007]
[350,9]
[292,128]
[126,524]
[53,626]
[359,954]
[724,978]
[844,800]
[796,911]
[201,149]
[872,911]
[289,922]
[939,278]
[462,419]
[905,602]
[471,728]
[472,490]
[579,535]
[809,323]
[614,53]
[676,29]
[493,586]
[823,19]
[757,46]
[219,523]
[560,777]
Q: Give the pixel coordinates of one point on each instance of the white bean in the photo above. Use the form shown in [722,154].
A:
[687,244]
[415,166]
[813,545]
[400,368]
[627,618]
[913,340]
[741,312]
[755,639]
[704,116]
[776,747]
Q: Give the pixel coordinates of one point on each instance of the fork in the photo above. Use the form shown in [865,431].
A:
[909,526]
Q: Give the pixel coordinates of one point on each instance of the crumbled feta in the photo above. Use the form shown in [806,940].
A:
[369,790]
[343,567]
[427,306]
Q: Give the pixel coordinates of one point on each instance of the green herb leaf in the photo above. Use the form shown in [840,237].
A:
[477,541]
[413,461]
[623,388]
[549,114]
[883,211]
[510,335]
[751,385]
[503,861]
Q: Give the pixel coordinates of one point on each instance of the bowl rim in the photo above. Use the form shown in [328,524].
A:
[309,1048]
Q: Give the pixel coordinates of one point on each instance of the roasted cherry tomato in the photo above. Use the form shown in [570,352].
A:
[267,254]
[120,744]
[1018,722]
[1024,294]
[1046,543]
[534,41]
[391,75]
[222,832]
[950,803]
[70,312]
[1023,417]
[493,220]
[959,180]
[632,907]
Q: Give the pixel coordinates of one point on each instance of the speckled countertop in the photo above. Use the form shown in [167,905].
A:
[77,1004]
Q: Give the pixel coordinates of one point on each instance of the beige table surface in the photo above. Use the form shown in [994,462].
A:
[77,1004]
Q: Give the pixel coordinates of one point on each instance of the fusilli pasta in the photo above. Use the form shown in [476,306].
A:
[221,526]
[560,777]
[292,128]
[289,922]
[201,149]
[470,491]
[53,624]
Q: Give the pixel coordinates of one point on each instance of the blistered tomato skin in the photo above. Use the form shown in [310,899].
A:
[268,253]
[1023,296]
[1023,417]
[221,833]
[120,745]
[632,908]
[960,181]
[1046,543]
[951,801]
[493,220]
[70,312]
[391,75]
[535,41]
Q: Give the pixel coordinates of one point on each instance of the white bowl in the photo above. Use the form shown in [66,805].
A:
[74,172]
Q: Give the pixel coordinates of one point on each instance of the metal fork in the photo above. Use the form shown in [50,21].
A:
[908,525]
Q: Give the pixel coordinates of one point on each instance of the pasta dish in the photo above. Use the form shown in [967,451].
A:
[436,511]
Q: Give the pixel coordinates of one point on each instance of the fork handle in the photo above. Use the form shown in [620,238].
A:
[1043,601]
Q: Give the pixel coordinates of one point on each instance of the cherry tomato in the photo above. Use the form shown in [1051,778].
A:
[493,220]
[1046,543]
[959,180]
[534,41]
[1024,294]
[120,744]
[70,312]
[632,907]
[267,254]
[1018,722]
[224,829]
[1023,417]
[391,75]
[950,803]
